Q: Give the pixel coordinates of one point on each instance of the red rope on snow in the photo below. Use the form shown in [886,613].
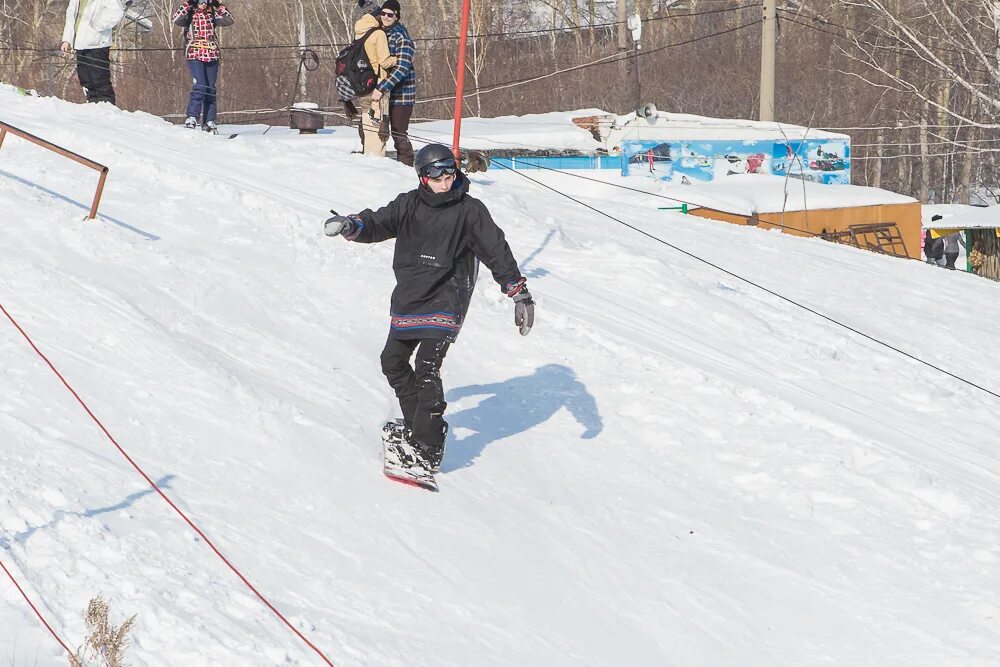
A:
[41,618]
[156,488]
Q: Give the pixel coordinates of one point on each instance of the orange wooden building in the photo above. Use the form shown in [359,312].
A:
[868,218]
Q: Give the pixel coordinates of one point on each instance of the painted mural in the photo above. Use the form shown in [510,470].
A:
[818,160]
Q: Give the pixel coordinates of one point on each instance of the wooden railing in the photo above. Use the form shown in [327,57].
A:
[883,237]
[5,128]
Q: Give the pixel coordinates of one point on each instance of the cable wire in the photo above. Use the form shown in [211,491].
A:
[160,492]
[761,287]
[613,58]
[72,657]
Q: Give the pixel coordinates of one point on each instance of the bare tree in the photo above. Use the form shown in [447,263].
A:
[953,42]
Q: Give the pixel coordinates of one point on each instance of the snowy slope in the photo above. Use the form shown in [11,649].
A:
[672,469]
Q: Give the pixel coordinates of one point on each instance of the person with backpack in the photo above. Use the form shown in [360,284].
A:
[88,31]
[441,233]
[200,18]
[361,66]
[934,246]
[401,84]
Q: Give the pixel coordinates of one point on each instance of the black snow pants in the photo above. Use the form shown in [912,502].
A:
[419,389]
[93,68]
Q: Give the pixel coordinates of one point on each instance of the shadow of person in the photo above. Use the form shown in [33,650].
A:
[515,406]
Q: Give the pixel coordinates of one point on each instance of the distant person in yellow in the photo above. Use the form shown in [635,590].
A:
[88,28]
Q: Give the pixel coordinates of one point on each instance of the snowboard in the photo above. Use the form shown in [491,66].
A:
[393,456]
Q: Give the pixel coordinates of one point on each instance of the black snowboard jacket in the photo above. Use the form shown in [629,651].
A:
[439,238]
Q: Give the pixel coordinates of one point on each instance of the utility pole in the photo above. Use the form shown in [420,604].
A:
[302,46]
[635,28]
[622,12]
[50,79]
[768,37]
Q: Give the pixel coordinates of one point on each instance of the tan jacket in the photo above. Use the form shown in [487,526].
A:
[376,46]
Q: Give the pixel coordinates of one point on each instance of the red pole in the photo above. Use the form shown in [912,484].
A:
[460,89]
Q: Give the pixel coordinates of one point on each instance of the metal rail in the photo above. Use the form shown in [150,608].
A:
[87,162]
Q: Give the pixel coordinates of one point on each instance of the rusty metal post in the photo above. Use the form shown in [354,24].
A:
[5,128]
[460,82]
[97,195]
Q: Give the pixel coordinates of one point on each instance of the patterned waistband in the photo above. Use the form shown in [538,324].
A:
[446,321]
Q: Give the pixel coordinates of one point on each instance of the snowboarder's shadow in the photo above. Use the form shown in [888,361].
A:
[59,515]
[515,406]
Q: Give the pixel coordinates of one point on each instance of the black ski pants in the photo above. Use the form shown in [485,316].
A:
[418,387]
[399,124]
[93,68]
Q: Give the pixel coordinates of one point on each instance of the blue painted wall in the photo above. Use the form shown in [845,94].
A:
[560,162]
[818,160]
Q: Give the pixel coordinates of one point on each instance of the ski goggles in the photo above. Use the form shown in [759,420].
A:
[439,169]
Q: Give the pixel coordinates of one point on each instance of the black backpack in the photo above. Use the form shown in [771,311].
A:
[355,75]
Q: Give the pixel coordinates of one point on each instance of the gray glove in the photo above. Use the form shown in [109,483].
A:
[342,225]
[524,311]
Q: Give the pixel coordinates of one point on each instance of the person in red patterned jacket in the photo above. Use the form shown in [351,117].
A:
[200,18]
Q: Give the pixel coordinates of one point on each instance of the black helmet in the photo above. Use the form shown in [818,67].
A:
[434,155]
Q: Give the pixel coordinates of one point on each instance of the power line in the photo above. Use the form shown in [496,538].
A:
[793,16]
[613,58]
[754,284]
[760,287]
[513,33]
[123,70]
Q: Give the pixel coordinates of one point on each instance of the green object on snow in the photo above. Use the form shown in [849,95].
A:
[968,250]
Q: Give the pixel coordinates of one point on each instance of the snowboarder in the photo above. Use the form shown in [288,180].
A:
[200,18]
[441,234]
[88,30]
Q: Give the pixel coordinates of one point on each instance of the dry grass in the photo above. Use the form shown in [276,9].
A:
[106,643]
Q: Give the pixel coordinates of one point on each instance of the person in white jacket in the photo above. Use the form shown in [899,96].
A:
[88,32]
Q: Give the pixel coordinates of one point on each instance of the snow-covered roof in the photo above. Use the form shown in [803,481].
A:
[748,193]
[532,132]
[557,130]
[690,127]
[961,216]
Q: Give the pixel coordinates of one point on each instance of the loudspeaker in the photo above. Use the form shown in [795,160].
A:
[646,110]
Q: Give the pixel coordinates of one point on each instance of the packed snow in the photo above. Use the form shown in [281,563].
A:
[746,194]
[674,468]
[960,216]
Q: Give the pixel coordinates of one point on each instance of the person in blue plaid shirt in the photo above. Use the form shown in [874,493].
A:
[401,84]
